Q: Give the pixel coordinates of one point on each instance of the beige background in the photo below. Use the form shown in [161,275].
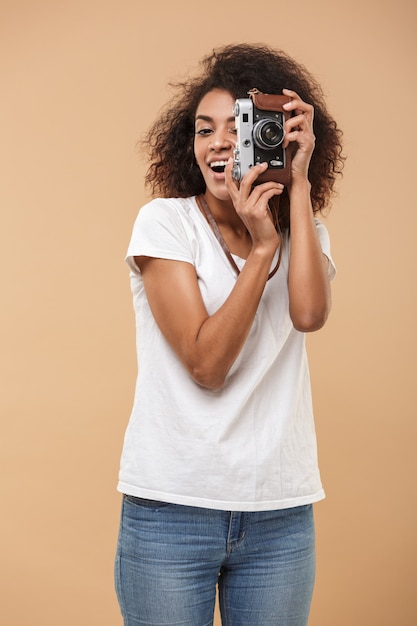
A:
[81,79]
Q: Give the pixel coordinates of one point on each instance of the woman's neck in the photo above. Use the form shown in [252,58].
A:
[232,229]
[225,214]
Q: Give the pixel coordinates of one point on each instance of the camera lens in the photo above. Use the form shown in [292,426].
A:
[268,134]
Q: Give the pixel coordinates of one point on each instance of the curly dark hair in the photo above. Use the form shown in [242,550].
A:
[237,68]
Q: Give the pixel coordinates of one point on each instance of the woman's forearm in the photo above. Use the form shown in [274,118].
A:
[308,283]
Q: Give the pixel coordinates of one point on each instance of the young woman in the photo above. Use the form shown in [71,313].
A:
[219,466]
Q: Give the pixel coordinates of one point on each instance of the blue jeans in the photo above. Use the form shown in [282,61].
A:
[171,557]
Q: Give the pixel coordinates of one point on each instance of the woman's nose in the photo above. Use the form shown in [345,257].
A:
[221,140]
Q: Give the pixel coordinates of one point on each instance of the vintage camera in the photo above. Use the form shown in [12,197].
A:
[260,123]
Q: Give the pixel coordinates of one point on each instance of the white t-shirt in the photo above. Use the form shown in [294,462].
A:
[250,446]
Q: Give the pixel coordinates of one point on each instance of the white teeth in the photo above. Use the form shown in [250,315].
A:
[218,164]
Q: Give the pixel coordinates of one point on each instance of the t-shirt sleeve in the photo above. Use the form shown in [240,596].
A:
[324,239]
[159,232]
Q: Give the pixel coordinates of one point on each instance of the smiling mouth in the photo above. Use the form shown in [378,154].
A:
[218,166]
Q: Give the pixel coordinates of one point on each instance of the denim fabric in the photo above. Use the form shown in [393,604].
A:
[171,557]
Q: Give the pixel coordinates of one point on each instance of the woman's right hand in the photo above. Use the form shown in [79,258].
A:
[251,204]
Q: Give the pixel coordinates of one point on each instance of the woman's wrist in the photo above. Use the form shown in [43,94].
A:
[300,195]
[299,184]
[263,254]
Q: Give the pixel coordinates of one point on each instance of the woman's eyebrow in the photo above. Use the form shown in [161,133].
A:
[207,118]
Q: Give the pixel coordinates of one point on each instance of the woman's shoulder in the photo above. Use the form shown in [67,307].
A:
[162,228]
[159,207]
[163,219]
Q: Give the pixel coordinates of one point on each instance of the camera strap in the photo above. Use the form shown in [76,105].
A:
[212,222]
[268,102]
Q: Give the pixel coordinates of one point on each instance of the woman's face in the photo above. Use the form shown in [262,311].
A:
[215,139]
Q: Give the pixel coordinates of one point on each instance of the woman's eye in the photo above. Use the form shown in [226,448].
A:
[203,131]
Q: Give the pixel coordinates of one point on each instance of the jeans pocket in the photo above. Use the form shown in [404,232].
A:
[145,502]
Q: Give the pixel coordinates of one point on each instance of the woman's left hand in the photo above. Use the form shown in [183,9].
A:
[299,130]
